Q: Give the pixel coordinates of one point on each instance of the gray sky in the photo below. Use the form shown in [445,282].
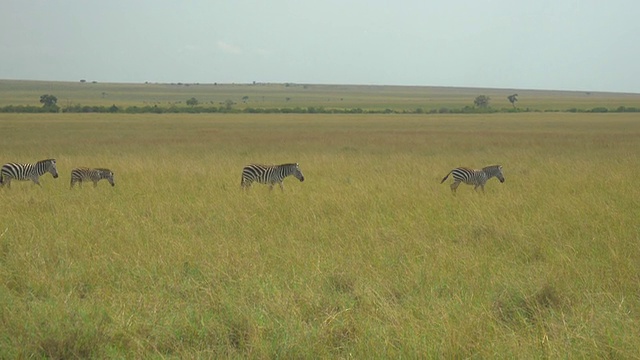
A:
[589,45]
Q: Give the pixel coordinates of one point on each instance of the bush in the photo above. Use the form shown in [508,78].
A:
[626,109]
[24,109]
[481,101]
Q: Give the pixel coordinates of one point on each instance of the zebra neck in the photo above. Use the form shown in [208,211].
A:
[287,170]
[40,169]
[491,173]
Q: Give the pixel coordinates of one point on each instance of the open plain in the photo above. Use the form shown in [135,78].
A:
[369,257]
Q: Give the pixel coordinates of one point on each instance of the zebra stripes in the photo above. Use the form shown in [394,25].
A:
[25,172]
[269,174]
[78,175]
[263,174]
[474,177]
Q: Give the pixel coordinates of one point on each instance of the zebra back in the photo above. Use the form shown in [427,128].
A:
[460,174]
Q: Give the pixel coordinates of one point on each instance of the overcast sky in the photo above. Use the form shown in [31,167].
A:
[589,45]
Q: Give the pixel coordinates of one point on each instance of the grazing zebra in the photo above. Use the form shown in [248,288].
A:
[269,174]
[474,177]
[25,172]
[85,174]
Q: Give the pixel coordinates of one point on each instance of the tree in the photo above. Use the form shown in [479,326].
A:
[48,100]
[482,101]
[512,99]
[192,102]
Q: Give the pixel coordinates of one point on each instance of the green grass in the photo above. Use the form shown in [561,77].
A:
[369,257]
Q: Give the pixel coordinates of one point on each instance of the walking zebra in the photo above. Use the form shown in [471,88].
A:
[269,174]
[25,172]
[474,177]
[78,175]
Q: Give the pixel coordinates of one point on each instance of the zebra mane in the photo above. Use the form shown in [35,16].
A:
[47,160]
[491,167]
[103,169]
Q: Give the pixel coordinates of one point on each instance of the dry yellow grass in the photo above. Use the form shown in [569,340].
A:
[369,257]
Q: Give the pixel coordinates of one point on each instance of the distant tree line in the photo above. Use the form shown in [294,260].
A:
[294,110]
[481,105]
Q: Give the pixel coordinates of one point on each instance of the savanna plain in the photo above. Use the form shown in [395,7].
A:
[369,257]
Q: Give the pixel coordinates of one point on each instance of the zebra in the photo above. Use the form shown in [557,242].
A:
[78,175]
[25,172]
[269,174]
[474,177]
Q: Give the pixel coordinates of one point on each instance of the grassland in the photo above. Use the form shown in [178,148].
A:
[370,257]
[396,98]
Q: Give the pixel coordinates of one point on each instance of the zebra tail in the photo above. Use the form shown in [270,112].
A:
[445,178]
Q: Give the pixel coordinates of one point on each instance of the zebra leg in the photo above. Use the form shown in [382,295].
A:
[281,186]
[95,184]
[36,181]
[481,186]
[245,184]
[454,186]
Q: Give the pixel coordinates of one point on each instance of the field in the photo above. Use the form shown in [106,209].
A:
[369,257]
[397,98]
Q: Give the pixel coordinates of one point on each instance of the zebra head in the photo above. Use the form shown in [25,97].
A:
[110,179]
[107,174]
[495,170]
[50,166]
[297,172]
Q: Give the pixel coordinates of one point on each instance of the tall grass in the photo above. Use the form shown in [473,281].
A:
[369,257]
